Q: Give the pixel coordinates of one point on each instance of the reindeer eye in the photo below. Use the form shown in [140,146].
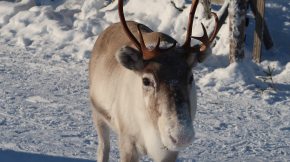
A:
[190,79]
[146,82]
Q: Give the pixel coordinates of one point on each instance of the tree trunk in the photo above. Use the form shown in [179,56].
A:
[207,8]
[237,19]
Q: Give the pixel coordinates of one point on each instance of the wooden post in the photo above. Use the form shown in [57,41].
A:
[267,39]
[259,29]
[237,18]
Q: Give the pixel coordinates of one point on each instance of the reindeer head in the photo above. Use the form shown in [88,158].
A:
[166,78]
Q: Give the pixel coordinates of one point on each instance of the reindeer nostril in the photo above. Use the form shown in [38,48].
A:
[173,139]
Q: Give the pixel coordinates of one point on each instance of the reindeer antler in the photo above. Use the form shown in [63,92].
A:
[206,41]
[150,53]
[147,53]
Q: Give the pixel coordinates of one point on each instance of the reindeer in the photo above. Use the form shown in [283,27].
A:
[146,95]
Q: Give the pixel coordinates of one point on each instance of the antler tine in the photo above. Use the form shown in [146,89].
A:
[204,39]
[142,42]
[150,53]
[215,31]
[147,53]
[190,22]
[125,26]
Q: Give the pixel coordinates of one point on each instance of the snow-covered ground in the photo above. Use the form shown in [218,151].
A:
[242,114]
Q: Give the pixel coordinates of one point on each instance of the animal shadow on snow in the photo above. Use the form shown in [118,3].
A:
[185,160]
[12,156]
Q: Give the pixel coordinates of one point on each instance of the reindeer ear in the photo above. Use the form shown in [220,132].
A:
[130,58]
[199,57]
[203,55]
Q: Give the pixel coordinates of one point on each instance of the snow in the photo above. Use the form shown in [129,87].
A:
[243,108]
[12,156]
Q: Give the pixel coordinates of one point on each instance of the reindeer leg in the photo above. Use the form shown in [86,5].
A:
[128,150]
[103,132]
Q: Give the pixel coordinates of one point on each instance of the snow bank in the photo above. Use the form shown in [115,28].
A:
[270,83]
[235,77]
[283,77]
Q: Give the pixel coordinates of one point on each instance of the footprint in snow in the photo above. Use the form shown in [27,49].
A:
[285,129]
